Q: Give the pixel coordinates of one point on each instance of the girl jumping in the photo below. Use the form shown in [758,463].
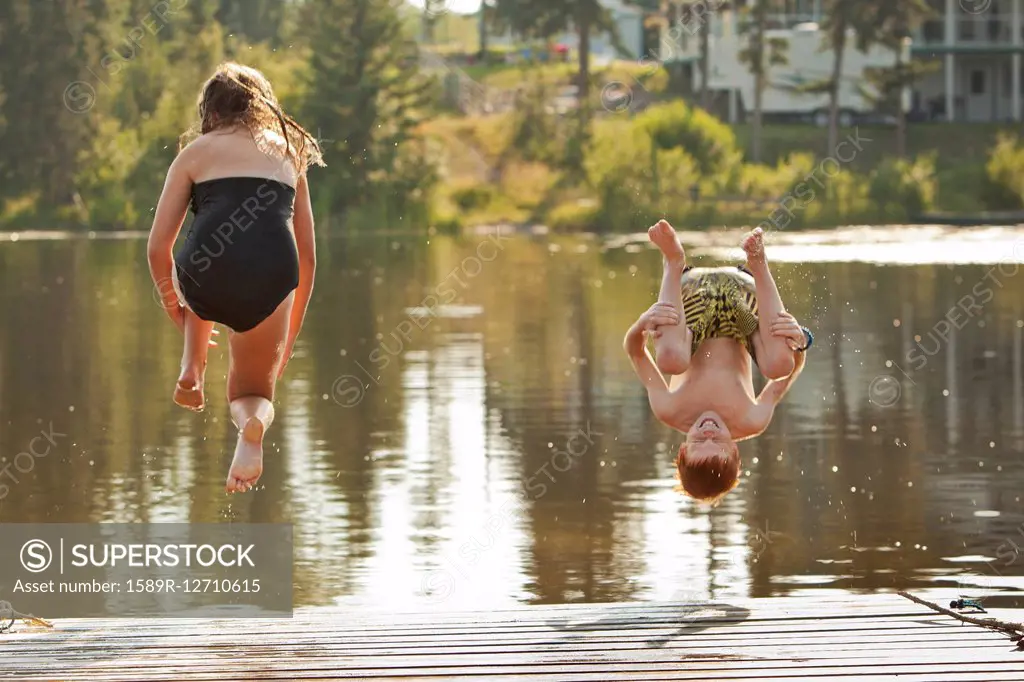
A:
[249,258]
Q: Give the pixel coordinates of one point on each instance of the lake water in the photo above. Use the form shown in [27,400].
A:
[403,444]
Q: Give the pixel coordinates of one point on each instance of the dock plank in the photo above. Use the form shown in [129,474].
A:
[870,637]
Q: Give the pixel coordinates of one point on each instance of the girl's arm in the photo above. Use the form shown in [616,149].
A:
[305,242]
[167,221]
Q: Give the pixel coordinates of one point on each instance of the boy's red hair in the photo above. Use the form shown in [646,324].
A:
[708,479]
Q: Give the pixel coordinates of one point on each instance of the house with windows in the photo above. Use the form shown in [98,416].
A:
[975,45]
[980,77]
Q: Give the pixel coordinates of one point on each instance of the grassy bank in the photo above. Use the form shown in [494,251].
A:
[529,166]
[961,151]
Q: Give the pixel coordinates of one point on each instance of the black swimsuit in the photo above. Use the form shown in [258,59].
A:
[239,261]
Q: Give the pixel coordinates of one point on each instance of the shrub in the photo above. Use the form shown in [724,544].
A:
[710,142]
[635,180]
[472,196]
[577,215]
[900,189]
[527,183]
[1004,186]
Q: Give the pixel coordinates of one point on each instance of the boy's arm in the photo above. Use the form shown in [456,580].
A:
[771,395]
[635,346]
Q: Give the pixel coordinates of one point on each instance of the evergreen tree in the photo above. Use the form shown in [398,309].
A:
[365,96]
[257,20]
[48,92]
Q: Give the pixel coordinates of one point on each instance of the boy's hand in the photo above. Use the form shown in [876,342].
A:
[658,315]
[786,326]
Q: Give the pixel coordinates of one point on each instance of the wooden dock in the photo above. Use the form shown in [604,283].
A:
[868,638]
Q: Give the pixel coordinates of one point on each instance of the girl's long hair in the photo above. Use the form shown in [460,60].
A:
[240,95]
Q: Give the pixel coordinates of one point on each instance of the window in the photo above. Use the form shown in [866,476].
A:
[977,82]
[966,29]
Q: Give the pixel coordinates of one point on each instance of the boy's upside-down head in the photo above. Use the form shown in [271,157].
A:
[708,464]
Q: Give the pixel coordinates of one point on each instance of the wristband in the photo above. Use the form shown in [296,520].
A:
[810,339]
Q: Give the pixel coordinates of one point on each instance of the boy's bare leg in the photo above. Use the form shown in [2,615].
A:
[672,347]
[775,358]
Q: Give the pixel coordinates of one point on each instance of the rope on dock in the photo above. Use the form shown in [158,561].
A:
[1014,630]
[9,614]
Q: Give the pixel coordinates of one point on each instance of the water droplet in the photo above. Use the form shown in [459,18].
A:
[910,484]
[853,488]
[874,428]
[896,323]
[991,444]
[754,460]
[897,543]
[71,408]
[835,469]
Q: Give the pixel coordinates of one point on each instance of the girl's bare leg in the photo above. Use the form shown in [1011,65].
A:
[255,358]
[775,358]
[189,391]
[672,347]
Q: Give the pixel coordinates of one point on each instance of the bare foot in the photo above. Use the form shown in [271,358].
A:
[664,237]
[189,390]
[247,466]
[753,245]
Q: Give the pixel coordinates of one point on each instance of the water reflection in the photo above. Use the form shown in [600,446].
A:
[409,490]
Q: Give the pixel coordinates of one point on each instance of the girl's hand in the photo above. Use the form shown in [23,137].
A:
[177,313]
[786,326]
[658,315]
[289,347]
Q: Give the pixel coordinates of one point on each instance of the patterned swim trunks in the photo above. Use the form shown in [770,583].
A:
[720,302]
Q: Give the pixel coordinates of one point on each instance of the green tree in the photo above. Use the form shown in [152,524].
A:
[432,10]
[258,20]
[365,96]
[704,29]
[760,54]
[546,18]
[895,19]
[842,17]
[48,93]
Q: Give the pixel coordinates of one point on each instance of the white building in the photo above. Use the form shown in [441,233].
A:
[980,78]
[978,54]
